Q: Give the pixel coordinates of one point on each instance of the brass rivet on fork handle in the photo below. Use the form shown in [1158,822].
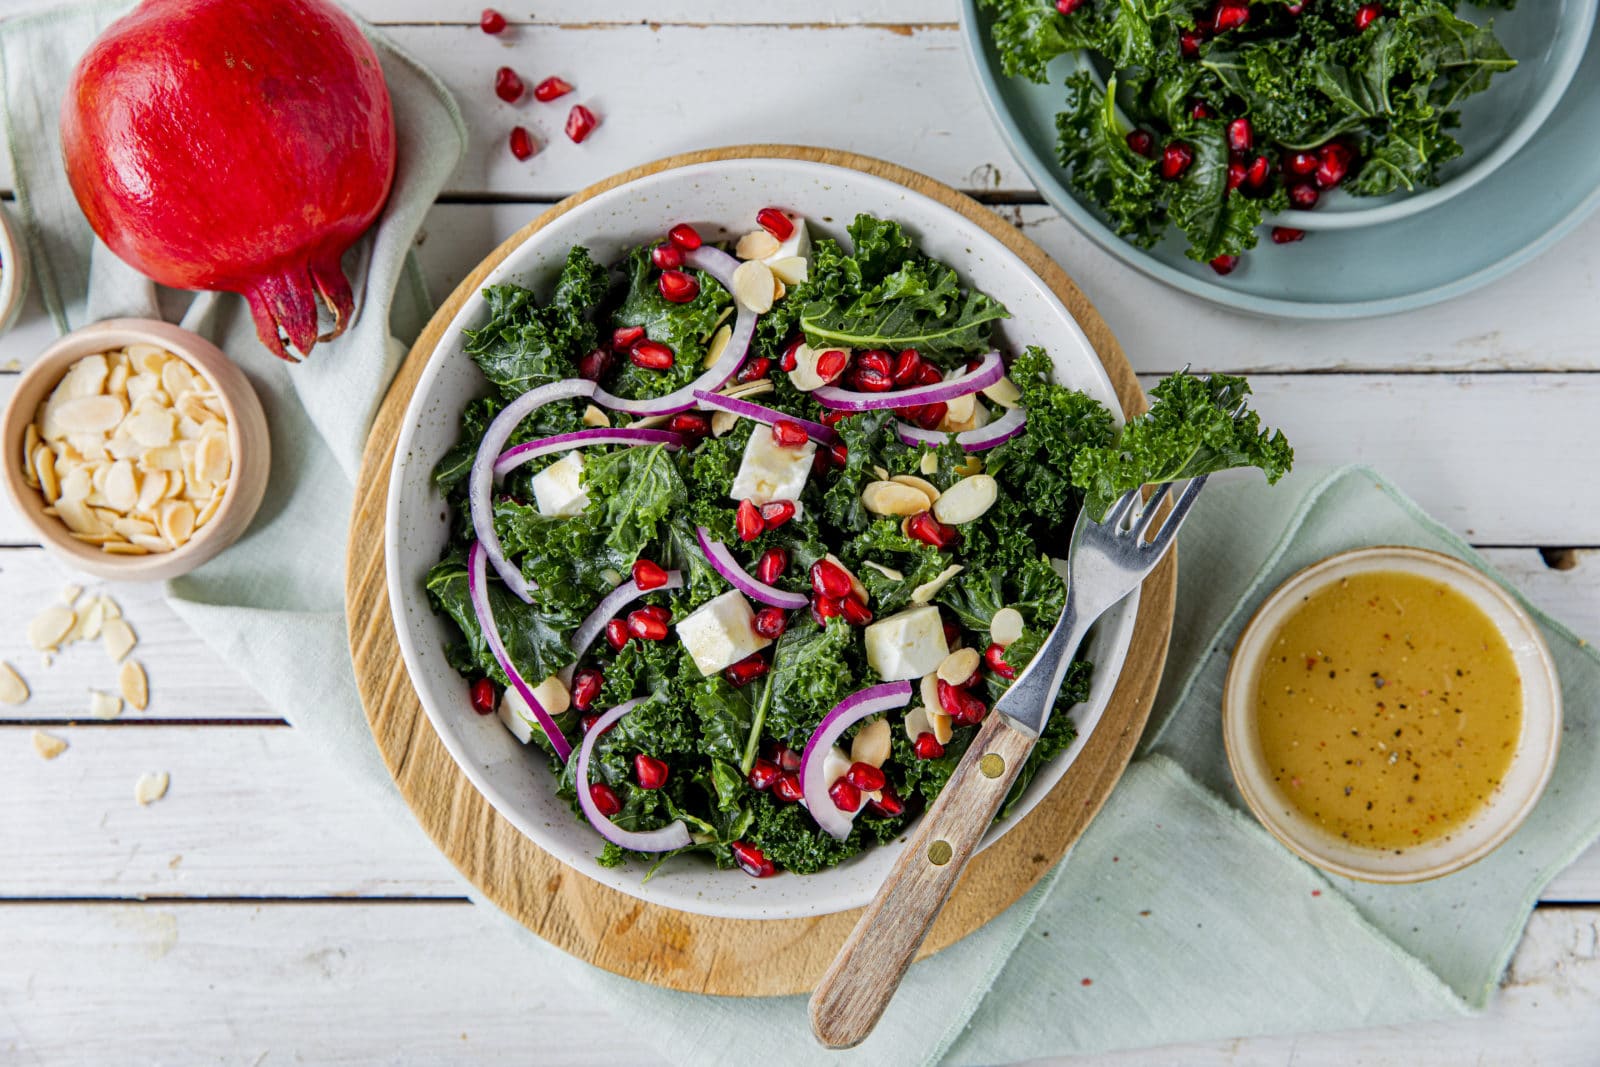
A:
[993,765]
[939,853]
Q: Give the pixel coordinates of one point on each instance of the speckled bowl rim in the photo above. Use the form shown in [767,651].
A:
[1299,835]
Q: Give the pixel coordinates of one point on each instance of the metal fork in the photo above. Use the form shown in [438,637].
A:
[1107,561]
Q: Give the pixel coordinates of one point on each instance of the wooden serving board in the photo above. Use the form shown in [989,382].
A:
[648,942]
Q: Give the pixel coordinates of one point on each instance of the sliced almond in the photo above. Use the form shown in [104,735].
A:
[78,517]
[718,345]
[928,489]
[1005,627]
[175,520]
[959,666]
[177,378]
[722,422]
[779,290]
[973,465]
[209,509]
[888,572]
[757,244]
[929,589]
[804,377]
[1005,393]
[90,414]
[152,427]
[917,723]
[133,685]
[151,787]
[77,484]
[152,487]
[928,687]
[893,498]
[212,460]
[118,638]
[48,627]
[882,473]
[752,286]
[104,705]
[122,486]
[594,417]
[164,458]
[872,743]
[942,725]
[92,619]
[86,377]
[13,690]
[30,445]
[148,359]
[48,745]
[967,500]
[929,463]
[130,527]
[122,548]
[44,466]
[113,610]
[70,594]
[961,409]
[791,270]
[117,380]
[143,385]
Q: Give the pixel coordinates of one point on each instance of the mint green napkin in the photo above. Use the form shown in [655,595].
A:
[1175,919]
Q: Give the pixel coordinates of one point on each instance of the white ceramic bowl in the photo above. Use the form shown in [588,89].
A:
[712,196]
[1507,807]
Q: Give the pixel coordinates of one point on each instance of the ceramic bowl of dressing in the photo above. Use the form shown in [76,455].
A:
[1391,714]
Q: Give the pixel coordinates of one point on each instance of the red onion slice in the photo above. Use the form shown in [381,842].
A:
[720,266]
[481,481]
[988,371]
[722,561]
[592,625]
[478,591]
[512,458]
[845,714]
[746,409]
[1003,429]
[675,835]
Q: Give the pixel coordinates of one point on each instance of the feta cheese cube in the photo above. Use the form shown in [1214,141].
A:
[770,471]
[551,694]
[909,644]
[720,632]
[558,489]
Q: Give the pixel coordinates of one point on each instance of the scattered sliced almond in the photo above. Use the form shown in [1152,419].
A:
[133,685]
[917,723]
[757,244]
[804,377]
[13,690]
[942,725]
[212,459]
[92,619]
[151,787]
[718,345]
[928,687]
[593,417]
[967,500]
[1005,627]
[959,666]
[70,594]
[722,422]
[104,705]
[112,609]
[44,469]
[888,572]
[90,414]
[47,745]
[893,498]
[1005,393]
[175,520]
[118,638]
[929,463]
[48,627]
[929,589]
[871,745]
[928,489]
[752,286]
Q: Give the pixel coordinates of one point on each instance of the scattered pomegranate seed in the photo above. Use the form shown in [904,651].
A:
[482,694]
[855,610]
[1300,163]
[867,380]
[684,236]
[774,513]
[831,364]
[586,686]
[1366,14]
[580,123]
[690,424]
[748,520]
[787,788]
[866,777]
[929,375]
[752,860]
[755,369]
[1285,235]
[491,21]
[594,364]
[605,798]
[906,366]
[521,143]
[952,632]
[1189,43]
[588,721]
[651,355]
[646,627]
[1067,7]
[995,657]
[666,257]
[650,772]
[1333,163]
[1230,15]
[788,433]
[926,746]
[1260,170]
[839,455]
[657,612]
[1241,136]
[929,416]
[616,634]
[959,704]
[770,623]
[775,222]
[625,337]
[1141,142]
[763,773]
[888,803]
[1303,195]
[930,531]
[678,286]
[772,564]
[648,574]
[787,360]
[508,86]
[1294,9]
[1175,159]
[845,796]
[824,608]
[830,579]
[876,359]
[1225,264]
[1199,110]
[1236,174]
[550,89]
[789,759]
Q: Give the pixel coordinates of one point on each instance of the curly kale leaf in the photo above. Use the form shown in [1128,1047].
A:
[684,328]
[811,672]
[725,714]
[1093,147]
[537,648]
[1028,34]
[1216,221]
[632,491]
[525,345]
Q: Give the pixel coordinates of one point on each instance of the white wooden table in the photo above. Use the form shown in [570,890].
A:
[251,917]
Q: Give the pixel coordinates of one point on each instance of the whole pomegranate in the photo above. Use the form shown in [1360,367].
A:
[234,144]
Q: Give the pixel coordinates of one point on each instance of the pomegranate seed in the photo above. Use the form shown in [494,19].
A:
[666,257]
[678,286]
[876,359]
[1236,175]
[1067,7]
[1294,9]
[1224,264]
[763,773]
[770,623]
[594,364]
[866,777]
[550,89]
[855,610]
[1300,163]
[1141,142]
[690,424]
[929,375]
[648,574]
[507,86]
[824,608]
[787,360]
[906,366]
[775,513]
[588,722]
[586,686]
[651,355]
[684,236]
[788,433]
[1303,195]
[839,454]
[1260,170]
[787,788]
[616,634]
[755,369]
[830,579]
[789,759]
[1366,14]
[521,143]
[995,657]
[969,709]
[1175,159]
[926,746]
[952,633]
[748,520]
[1189,43]
[1241,137]
[1230,16]
[752,860]
[929,530]
[625,337]
[1198,110]
[580,123]
[772,564]
[867,380]
[888,803]
[646,626]
[650,772]
[605,798]
[831,364]
[845,796]
[491,21]
[775,222]
[1285,235]
[1333,164]
[949,698]
[929,416]
[482,693]
[657,612]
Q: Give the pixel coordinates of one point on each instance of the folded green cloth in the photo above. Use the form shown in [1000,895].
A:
[1175,918]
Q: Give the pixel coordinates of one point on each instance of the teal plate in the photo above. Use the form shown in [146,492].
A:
[1482,233]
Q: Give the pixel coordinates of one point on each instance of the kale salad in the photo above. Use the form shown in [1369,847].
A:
[1208,115]
[748,541]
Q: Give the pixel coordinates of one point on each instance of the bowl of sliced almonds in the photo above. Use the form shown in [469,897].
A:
[135,449]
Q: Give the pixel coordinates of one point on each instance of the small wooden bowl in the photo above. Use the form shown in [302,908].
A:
[247,439]
[13,270]
[1506,808]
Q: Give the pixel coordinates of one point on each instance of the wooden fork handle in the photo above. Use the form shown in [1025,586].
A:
[863,977]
